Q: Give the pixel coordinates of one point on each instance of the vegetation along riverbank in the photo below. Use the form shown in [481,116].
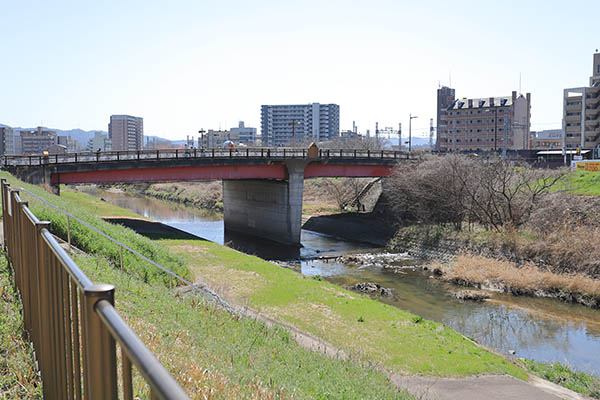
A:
[513,228]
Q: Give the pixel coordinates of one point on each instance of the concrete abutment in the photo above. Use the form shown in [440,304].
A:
[271,209]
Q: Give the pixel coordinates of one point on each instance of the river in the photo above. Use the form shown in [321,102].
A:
[545,330]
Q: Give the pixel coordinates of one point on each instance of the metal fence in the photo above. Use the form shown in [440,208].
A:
[72,323]
[254,153]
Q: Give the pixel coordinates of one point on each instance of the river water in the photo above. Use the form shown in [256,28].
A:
[545,330]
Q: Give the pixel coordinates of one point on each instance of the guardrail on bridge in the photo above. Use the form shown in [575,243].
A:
[270,153]
[72,322]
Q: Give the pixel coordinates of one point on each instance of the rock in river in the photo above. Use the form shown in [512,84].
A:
[473,295]
[372,288]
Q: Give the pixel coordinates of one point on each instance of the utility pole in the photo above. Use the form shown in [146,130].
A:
[400,136]
[410,118]
[431,134]
[293,125]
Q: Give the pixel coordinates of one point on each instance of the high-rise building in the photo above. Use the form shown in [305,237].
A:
[306,122]
[581,112]
[126,132]
[7,140]
[245,135]
[37,141]
[482,124]
[445,98]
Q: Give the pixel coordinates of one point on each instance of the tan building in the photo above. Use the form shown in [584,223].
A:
[126,132]
[37,141]
[483,124]
[581,112]
[546,140]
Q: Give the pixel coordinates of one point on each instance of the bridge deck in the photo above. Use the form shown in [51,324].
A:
[196,164]
[278,153]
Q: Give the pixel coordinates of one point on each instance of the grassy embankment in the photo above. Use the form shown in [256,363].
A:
[93,243]
[564,376]
[210,352]
[18,376]
[581,182]
[367,329]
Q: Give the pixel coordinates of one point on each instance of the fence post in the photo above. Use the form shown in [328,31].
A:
[101,357]
[121,256]
[69,231]
[44,351]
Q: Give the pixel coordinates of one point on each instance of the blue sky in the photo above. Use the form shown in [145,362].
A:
[186,65]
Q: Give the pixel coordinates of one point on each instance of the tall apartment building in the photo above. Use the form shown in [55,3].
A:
[445,98]
[37,141]
[126,132]
[482,124]
[581,112]
[7,140]
[245,135]
[308,122]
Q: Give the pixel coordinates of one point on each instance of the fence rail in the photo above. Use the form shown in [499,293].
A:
[170,154]
[72,322]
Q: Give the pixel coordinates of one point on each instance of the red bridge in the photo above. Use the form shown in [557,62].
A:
[262,188]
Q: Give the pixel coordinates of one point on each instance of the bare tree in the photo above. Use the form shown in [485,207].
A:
[454,189]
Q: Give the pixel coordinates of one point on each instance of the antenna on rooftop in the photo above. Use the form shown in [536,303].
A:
[520,83]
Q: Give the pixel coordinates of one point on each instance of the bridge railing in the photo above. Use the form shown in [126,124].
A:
[72,323]
[247,152]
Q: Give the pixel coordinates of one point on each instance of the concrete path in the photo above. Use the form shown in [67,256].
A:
[489,387]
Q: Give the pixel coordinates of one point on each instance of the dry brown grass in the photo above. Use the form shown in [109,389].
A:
[528,279]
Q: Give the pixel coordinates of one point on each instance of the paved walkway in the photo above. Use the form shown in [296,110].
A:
[489,387]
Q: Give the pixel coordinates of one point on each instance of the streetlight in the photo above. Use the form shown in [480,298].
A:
[293,125]
[410,118]
[201,132]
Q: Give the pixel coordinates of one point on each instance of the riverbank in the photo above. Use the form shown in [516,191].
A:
[513,262]
[373,332]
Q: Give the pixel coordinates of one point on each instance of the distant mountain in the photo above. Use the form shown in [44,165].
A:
[416,141]
[83,137]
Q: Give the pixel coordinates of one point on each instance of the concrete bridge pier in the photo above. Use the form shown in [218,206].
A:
[271,209]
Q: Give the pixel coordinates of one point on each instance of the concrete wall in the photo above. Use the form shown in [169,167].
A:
[263,208]
[271,209]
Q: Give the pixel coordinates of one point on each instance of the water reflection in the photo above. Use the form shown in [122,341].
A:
[543,329]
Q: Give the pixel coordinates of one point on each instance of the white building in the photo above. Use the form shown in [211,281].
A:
[245,135]
[100,141]
[282,125]
[581,112]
